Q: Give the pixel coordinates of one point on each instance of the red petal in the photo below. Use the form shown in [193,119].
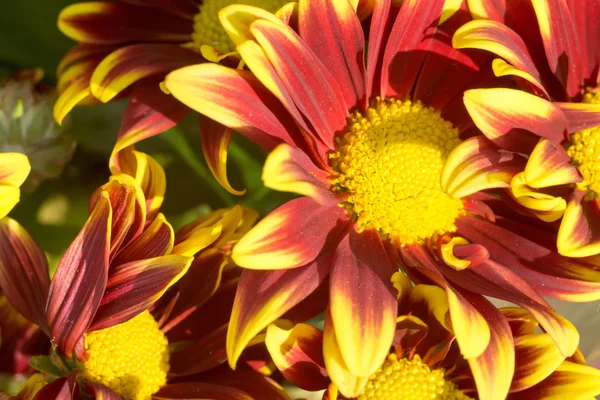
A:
[200,391]
[80,279]
[201,355]
[101,392]
[181,8]
[580,116]
[24,277]
[65,388]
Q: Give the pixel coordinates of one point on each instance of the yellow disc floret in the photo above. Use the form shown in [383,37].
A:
[389,163]
[584,151]
[208,29]
[131,358]
[409,380]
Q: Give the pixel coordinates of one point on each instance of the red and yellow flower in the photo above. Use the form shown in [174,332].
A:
[127,47]
[97,307]
[14,168]
[371,147]
[550,49]
[425,362]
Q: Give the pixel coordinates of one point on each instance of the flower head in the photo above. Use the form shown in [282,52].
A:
[424,360]
[370,138]
[549,51]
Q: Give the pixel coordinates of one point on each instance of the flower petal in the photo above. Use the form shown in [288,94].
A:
[215,143]
[579,233]
[235,99]
[580,116]
[80,279]
[499,111]
[195,390]
[156,240]
[549,165]
[63,388]
[333,31]
[75,93]
[14,168]
[9,197]
[537,357]
[133,287]
[477,164]
[298,354]
[263,296]
[290,236]
[289,169]
[363,302]
[201,355]
[102,22]
[130,64]
[521,321]
[24,277]
[101,392]
[252,382]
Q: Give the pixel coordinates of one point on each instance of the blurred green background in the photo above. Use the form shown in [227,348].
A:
[56,210]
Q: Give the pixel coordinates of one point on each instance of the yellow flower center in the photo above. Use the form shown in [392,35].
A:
[409,380]
[208,29]
[389,163]
[131,358]
[584,151]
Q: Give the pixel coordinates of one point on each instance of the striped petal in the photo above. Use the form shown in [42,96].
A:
[478,164]
[493,369]
[289,169]
[298,354]
[149,112]
[24,277]
[378,33]
[545,206]
[496,38]
[580,116]
[156,240]
[308,82]
[348,384]
[579,233]
[237,19]
[333,31]
[569,380]
[363,302]
[525,80]
[197,390]
[215,144]
[521,321]
[201,355]
[292,235]
[263,296]
[252,382]
[235,99]
[133,287]
[550,165]
[101,22]
[80,279]
[407,46]
[560,40]
[499,111]
[130,64]
[537,357]
[63,388]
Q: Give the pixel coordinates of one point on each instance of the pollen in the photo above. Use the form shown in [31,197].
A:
[409,380]
[584,151]
[208,29]
[131,358]
[389,163]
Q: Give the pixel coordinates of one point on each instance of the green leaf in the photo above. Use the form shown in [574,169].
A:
[44,364]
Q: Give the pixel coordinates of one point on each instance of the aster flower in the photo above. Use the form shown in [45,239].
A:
[425,362]
[550,49]
[14,168]
[126,48]
[370,149]
[96,307]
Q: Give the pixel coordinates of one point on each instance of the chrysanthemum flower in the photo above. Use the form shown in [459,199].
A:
[550,49]
[425,362]
[126,48]
[365,146]
[14,168]
[96,308]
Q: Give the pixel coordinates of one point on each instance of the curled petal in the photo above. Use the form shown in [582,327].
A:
[537,357]
[579,233]
[237,19]
[521,322]
[80,279]
[545,206]
[263,296]
[291,236]
[156,240]
[24,277]
[77,91]
[502,68]
[298,354]
[477,164]
[132,288]
[550,165]
[363,302]
[289,169]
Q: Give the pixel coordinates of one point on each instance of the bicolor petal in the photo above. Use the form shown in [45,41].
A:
[579,233]
[77,91]
[550,165]
[264,296]
[298,353]
[363,302]
[14,168]
[197,390]
[156,240]
[101,392]
[290,236]
[201,355]
[24,277]
[133,287]
[580,116]
[521,322]
[236,20]
[545,206]
[80,279]
[289,169]
[537,357]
